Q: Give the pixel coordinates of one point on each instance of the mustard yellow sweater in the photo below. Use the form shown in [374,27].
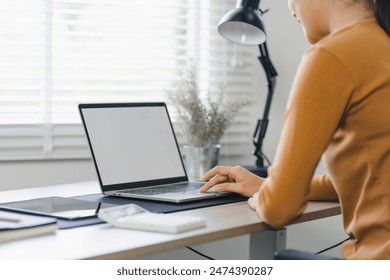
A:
[339,107]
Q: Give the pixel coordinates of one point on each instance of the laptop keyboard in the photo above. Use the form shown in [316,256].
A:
[159,189]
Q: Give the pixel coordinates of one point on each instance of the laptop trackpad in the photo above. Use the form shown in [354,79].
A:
[184,195]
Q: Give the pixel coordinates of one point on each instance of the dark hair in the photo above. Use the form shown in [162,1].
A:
[382,13]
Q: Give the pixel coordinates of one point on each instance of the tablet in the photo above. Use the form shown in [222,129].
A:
[58,207]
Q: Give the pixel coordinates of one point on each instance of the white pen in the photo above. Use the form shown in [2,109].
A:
[8,219]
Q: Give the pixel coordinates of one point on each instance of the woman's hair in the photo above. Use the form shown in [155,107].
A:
[382,13]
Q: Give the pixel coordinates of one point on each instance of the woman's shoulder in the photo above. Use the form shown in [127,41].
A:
[355,38]
[363,43]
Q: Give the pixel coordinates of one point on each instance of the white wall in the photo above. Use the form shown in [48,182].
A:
[25,174]
[286,44]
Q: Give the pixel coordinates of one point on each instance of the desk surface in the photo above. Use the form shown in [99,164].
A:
[105,242]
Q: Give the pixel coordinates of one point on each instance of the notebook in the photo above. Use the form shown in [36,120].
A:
[14,226]
[136,154]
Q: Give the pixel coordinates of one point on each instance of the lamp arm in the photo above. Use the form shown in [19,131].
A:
[262,124]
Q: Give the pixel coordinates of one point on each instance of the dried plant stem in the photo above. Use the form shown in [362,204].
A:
[203,122]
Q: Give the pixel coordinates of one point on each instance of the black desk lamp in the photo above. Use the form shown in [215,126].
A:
[243,25]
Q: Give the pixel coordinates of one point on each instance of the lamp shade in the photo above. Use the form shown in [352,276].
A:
[243,25]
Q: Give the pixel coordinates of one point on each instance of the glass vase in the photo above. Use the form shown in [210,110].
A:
[199,160]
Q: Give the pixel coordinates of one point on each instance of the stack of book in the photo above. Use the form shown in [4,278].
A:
[15,226]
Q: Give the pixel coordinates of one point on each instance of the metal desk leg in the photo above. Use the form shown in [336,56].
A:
[263,245]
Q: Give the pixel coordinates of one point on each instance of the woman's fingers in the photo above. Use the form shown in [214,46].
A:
[231,179]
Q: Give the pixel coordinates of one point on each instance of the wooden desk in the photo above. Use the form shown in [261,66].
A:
[105,242]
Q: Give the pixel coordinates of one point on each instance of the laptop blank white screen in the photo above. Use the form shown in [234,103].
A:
[133,144]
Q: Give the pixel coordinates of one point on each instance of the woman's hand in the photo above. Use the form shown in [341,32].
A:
[232,179]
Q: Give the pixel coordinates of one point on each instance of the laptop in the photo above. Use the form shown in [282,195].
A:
[136,154]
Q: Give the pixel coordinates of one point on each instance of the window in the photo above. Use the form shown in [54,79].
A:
[55,54]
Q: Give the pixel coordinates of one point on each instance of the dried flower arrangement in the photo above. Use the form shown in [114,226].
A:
[203,122]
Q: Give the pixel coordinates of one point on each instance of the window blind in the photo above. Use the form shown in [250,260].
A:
[56,54]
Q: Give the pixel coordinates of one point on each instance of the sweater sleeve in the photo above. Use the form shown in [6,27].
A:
[321,188]
[318,100]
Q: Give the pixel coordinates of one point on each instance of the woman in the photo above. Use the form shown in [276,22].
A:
[339,106]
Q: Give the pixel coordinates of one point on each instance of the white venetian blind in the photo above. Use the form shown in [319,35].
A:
[56,54]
